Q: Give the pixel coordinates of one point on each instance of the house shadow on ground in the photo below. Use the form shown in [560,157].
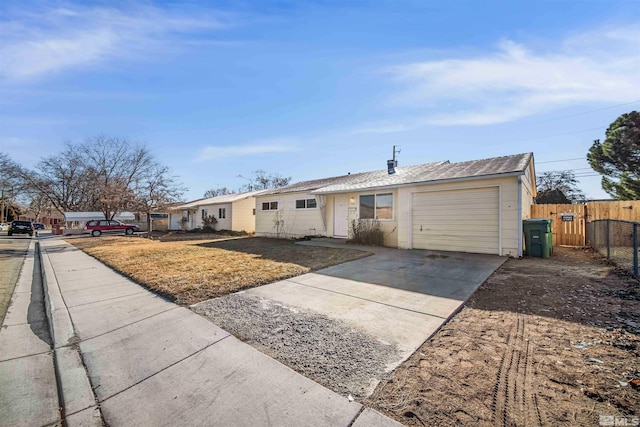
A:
[286,251]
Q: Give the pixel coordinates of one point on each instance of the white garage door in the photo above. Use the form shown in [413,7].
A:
[457,220]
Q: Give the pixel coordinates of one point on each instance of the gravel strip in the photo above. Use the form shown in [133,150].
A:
[330,352]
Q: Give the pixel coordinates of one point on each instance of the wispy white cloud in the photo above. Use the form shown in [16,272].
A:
[267,146]
[53,37]
[516,80]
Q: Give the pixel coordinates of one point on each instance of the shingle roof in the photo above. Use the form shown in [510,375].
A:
[227,198]
[424,173]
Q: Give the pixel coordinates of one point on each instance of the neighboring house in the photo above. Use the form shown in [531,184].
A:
[234,212]
[82,217]
[48,217]
[475,206]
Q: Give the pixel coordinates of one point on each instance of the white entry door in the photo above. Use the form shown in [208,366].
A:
[341,217]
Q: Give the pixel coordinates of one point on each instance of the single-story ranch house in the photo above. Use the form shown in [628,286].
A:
[232,212]
[474,206]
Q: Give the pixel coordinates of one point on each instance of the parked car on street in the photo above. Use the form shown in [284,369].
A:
[97,227]
[21,227]
[38,226]
[4,226]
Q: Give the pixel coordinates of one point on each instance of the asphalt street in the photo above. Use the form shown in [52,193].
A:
[12,252]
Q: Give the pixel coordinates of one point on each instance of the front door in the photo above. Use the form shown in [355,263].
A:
[341,217]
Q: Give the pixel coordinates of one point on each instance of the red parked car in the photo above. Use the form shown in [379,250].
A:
[97,227]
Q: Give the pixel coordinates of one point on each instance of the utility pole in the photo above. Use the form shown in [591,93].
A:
[2,207]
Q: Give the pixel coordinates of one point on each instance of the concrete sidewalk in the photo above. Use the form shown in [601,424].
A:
[151,362]
[28,388]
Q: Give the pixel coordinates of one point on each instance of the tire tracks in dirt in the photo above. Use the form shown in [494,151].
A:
[514,397]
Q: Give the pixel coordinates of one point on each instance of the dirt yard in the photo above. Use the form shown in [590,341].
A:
[542,342]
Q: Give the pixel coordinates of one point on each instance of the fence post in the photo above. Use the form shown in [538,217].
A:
[608,238]
[635,249]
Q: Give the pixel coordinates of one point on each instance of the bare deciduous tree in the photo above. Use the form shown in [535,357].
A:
[62,179]
[214,192]
[112,165]
[261,180]
[155,189]
[102,174]
[10,185]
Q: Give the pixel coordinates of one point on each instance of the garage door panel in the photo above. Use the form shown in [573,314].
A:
[436,233]
[430,223]
[460,245]
[448,202]
[437,216]
[457,220]
[481,195]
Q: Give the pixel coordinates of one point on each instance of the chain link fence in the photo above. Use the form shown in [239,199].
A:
[617,240]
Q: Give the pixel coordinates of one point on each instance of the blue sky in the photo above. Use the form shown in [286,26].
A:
[310,89]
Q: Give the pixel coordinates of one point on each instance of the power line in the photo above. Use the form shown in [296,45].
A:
[563,160]
[574,115]
[559,134]
[580,170]
[587,112]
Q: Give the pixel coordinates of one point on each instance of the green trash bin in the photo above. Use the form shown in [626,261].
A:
[538,235]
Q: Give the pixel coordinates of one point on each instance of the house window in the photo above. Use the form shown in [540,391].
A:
[222,213]
[306,204]
[254,211]
[204,214]
[269,206]
[376,206]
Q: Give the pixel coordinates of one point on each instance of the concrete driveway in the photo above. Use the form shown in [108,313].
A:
[399,297]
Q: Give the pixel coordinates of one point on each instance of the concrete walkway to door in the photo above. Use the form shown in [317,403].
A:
[398,296]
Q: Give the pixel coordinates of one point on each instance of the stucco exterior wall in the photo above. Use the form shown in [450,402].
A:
[527,193]
[223,223]
[291,222]
[242,216]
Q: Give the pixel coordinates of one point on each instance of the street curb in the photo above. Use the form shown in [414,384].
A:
[76,396]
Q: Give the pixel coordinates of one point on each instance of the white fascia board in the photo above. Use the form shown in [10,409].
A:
[413,184]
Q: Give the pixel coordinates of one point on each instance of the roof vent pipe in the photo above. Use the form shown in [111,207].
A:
[393,163]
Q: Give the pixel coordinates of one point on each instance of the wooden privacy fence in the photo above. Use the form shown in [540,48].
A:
[569,221]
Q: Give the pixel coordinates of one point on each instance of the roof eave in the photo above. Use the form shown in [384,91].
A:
[271,195]
[196,205]
[412,184]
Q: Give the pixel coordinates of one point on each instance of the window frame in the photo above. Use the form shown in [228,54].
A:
[269,206]
[306,204]
[375,207]
[222,213]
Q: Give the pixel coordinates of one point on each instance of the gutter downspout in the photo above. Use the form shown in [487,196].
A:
[520,216]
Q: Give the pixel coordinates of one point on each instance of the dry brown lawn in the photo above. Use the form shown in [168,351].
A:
[192,271]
